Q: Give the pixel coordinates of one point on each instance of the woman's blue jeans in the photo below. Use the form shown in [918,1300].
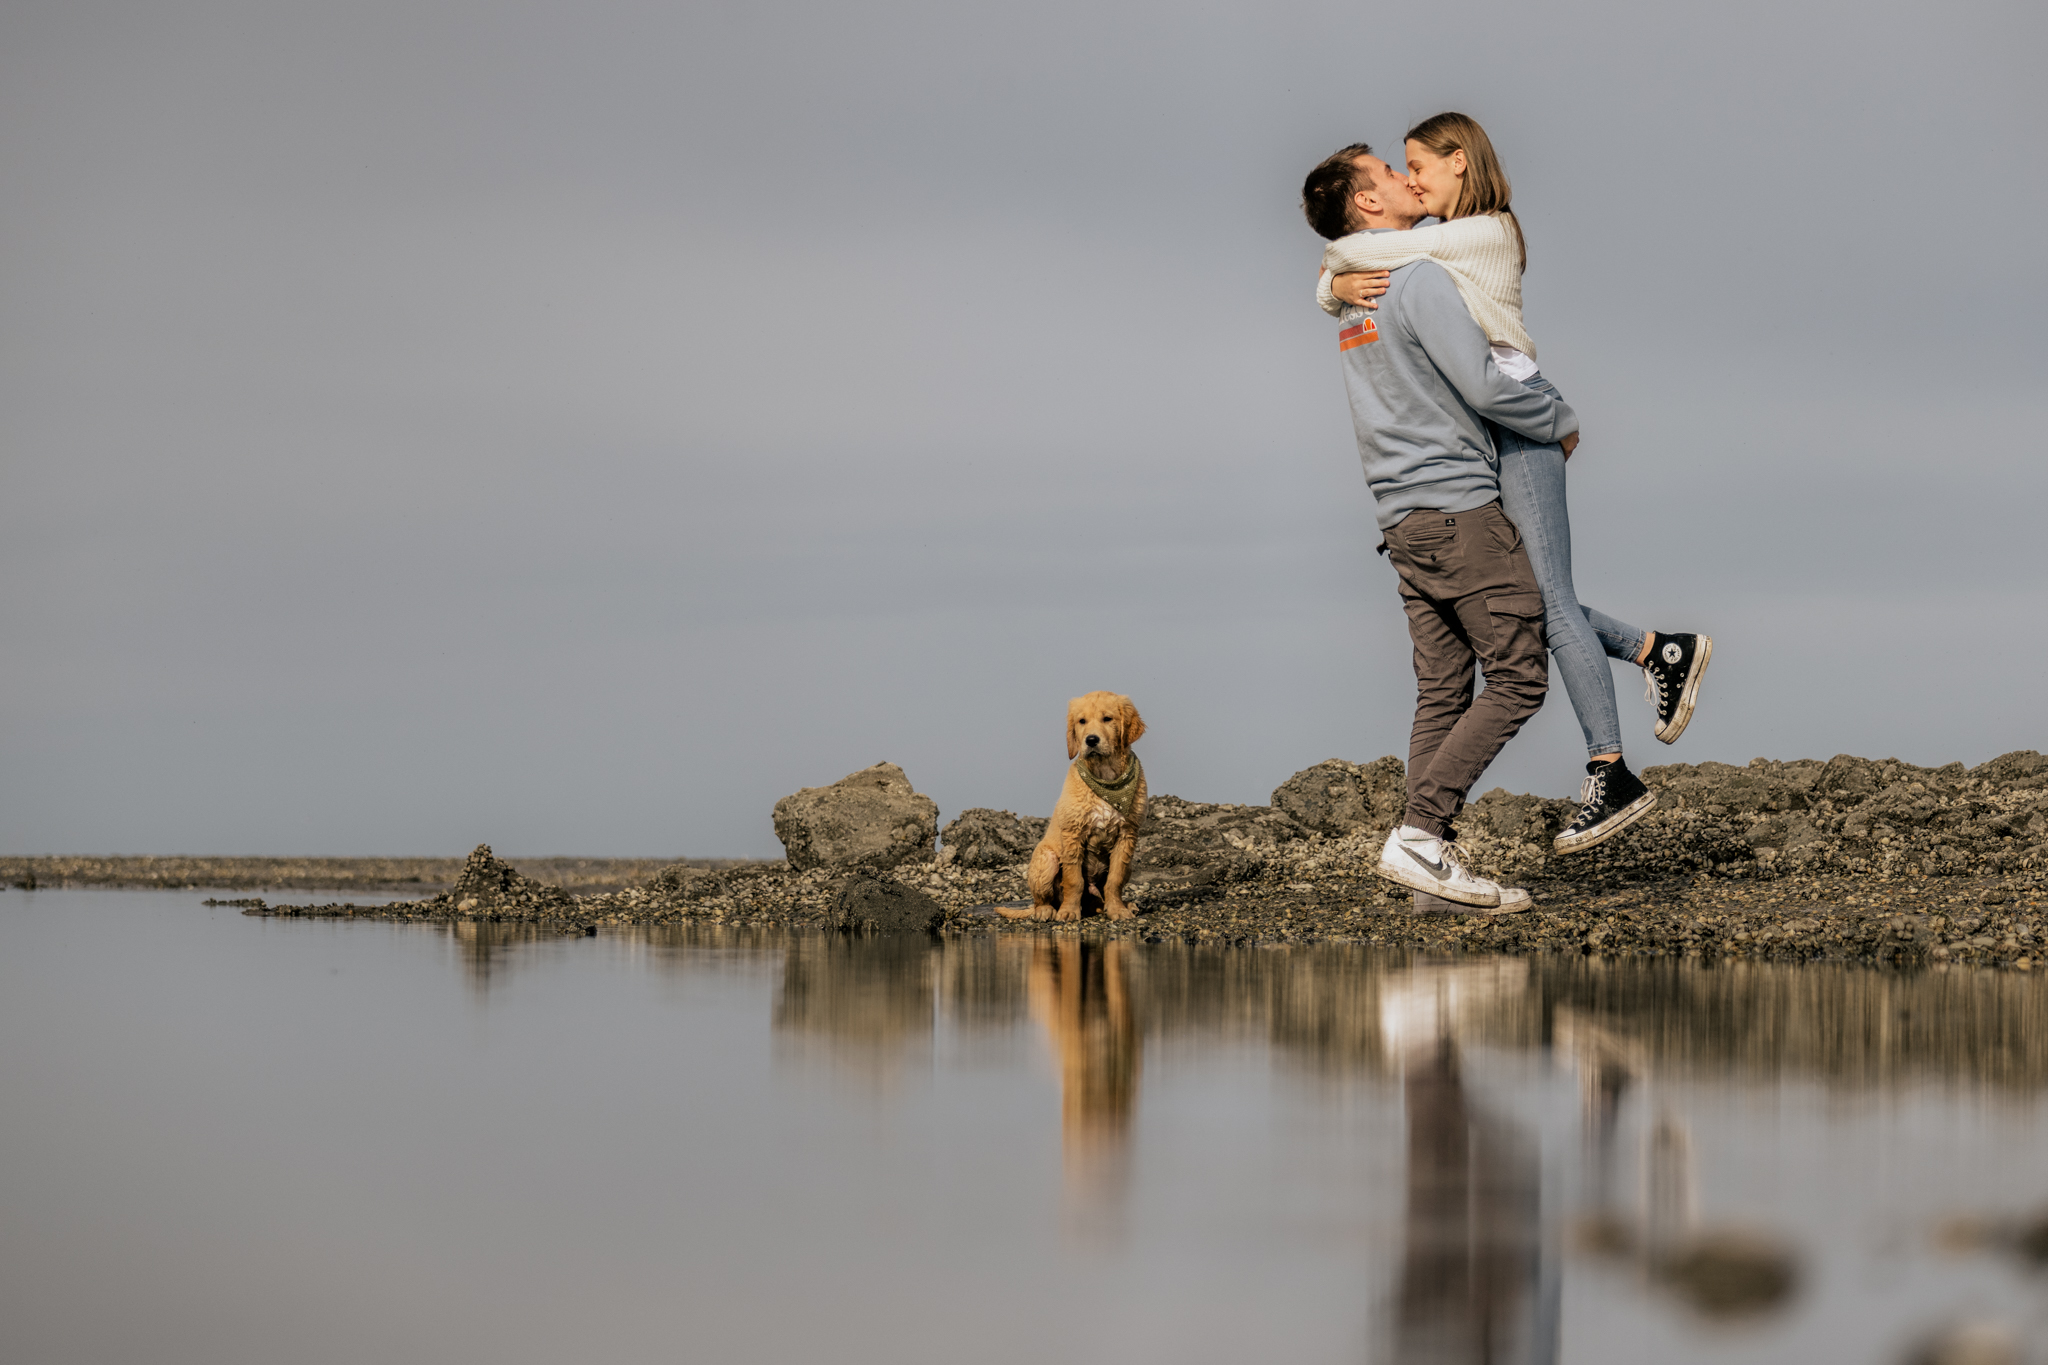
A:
[1582,640]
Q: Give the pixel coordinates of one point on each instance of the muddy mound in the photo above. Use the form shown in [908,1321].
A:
[490,886]
[882,905]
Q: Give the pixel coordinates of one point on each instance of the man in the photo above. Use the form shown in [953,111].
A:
[1423,387]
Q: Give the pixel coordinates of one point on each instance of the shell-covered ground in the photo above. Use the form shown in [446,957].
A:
[1872,860]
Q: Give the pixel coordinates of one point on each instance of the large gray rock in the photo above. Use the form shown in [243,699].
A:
[1189,850]
[869,819]
[882,905]
[1337,796]
[990,838]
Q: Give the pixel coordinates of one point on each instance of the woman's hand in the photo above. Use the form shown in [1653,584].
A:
[1570,443]
[1359,287]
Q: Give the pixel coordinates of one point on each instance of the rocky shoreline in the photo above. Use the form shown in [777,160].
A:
[1843,859]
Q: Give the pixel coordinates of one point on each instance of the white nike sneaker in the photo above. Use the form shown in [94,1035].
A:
[1431,865]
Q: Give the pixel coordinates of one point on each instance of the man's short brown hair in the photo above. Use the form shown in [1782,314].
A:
[1326,194]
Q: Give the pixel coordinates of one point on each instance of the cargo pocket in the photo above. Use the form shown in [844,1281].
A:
[1507,537]
[1517,623]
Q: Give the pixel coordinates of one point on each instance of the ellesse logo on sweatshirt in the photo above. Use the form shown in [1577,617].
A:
[1357,336]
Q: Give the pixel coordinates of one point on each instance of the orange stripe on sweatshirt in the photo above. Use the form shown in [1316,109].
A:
[1363,333]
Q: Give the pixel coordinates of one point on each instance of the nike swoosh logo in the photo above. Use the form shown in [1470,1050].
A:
[1435,870]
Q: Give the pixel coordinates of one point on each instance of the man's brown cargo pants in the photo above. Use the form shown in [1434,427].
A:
[1471,597]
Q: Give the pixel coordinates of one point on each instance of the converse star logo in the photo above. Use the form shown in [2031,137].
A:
[1672,653]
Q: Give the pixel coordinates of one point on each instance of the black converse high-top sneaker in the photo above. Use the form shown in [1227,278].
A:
[1671,679]
[1612,799]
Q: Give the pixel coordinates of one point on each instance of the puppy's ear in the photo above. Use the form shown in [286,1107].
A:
[1073,743]
[1133,723]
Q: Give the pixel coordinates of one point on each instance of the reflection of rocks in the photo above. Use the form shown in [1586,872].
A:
[487,948]
[983,980]
[1729,1274]
[1718,1272]
[1852,1027]
[1969,1343]
[986,838]
[871,818]
[2024,1239]
[863,1000]
[883,906]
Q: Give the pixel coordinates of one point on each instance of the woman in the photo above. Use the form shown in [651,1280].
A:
[1454,172]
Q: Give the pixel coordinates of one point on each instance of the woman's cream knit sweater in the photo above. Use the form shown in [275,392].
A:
[1478,252]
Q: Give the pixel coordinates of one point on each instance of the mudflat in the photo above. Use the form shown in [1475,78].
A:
[318,874]
[1843,859]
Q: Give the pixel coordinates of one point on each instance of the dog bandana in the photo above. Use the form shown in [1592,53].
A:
[1122,794]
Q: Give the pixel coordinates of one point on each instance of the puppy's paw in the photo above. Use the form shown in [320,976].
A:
[1068,914]
[1116,909]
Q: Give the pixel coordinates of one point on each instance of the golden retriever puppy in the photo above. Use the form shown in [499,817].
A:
[1094,830]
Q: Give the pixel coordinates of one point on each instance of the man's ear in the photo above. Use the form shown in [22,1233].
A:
[1133,723]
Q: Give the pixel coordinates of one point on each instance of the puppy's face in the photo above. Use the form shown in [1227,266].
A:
[1101,723]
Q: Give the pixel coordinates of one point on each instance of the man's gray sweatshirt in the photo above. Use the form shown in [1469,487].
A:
[1423,387]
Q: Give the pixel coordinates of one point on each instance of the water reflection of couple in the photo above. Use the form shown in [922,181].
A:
[1480,1272]
[1464,443]
[1475,1284]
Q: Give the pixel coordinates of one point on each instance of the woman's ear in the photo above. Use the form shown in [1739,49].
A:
[1457,160]
[1134,724]
[1073,745]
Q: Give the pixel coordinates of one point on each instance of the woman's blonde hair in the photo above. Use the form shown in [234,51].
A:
[1484,188]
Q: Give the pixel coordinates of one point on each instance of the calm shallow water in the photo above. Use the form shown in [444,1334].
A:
[226,1139]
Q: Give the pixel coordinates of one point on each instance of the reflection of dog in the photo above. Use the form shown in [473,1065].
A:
[1080,993]
[1094,829]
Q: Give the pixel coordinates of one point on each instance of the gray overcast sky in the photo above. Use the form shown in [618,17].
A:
[575,426]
